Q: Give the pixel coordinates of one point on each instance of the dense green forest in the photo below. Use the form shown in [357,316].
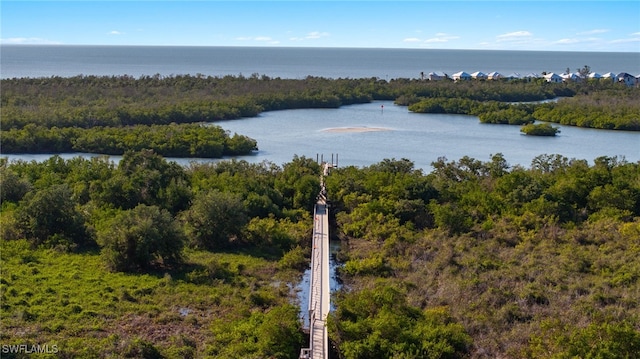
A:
[475,259]
[110,115]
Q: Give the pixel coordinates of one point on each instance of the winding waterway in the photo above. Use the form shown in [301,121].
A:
[365,134]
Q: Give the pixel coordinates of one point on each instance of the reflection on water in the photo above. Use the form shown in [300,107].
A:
[302,290]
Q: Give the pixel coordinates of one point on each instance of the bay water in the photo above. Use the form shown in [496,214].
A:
[294,62]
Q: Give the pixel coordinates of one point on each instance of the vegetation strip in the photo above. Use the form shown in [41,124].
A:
[110,115]
[475,259]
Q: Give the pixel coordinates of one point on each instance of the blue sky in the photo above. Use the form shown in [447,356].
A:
[498,25]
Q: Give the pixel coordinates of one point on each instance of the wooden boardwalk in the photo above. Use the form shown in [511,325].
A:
[319,294]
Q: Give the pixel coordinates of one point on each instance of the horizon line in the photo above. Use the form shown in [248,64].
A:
[312,47]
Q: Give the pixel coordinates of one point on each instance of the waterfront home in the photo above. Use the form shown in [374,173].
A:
[494,76]
[478,75]
[627,79]
[436,76]
[595,75]
[553,77]
[609,76]
[570,77]
[461,76]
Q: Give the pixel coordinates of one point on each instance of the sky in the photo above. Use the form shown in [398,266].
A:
[609,26]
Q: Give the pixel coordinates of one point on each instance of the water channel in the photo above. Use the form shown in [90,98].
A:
[394,132]
[302,289]
[365,134]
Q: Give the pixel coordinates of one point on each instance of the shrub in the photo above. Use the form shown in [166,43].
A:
[50,217]
[140,237]
[543,129]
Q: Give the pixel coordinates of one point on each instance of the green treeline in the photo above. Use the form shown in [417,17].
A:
[594,104]
[46,114]
[185,140]
[617,109]
[474,259]
[487,111]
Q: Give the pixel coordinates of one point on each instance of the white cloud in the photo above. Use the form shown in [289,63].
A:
[28,41]
[438,38]
[593,32]
[633,37]
[115,32]
[313,35]
[441,37]
[265,39]
[627,40]
[316,35]
[514,36]
[567,41]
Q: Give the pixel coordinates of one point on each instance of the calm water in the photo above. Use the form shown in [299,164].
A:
[304,286]
[50,60]
[422,138]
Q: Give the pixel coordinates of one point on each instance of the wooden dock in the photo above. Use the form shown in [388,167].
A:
[320,291]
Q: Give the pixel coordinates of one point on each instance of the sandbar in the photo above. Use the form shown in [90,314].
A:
[356,129]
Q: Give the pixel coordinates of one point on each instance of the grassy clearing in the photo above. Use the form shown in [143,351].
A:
[71,301]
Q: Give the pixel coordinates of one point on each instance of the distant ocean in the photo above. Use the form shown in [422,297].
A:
[294,63]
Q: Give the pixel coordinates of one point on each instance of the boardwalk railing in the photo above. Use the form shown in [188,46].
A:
[319,293]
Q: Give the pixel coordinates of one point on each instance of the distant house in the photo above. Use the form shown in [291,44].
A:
[627,79]
[570,77]
[494,75]
[461,76]
[436,76]
[609,76]
[478,75]
[595,75]
[514,76]
[553,77]
[532,75]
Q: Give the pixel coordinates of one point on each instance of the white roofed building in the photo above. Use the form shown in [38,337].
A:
[461,76]
[494,75]
[570,77]
[436,76]
[478,75]
[553,77]
[627,79]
